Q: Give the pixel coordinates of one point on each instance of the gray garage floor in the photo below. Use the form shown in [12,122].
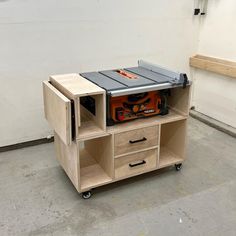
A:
[37,198]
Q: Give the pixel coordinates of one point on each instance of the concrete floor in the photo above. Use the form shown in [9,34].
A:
[37,198]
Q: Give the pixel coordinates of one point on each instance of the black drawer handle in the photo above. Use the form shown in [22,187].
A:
[137,164]
[138,140]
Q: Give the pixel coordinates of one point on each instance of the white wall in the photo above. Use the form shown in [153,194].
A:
[215,95]
[40,38]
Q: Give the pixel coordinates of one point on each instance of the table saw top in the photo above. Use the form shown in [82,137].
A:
[144,77]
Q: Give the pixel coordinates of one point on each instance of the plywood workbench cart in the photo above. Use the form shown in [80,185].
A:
[94,154]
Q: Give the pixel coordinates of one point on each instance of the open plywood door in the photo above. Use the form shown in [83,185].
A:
[57,109]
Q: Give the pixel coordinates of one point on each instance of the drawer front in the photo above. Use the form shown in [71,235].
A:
[137,163]
[135,140]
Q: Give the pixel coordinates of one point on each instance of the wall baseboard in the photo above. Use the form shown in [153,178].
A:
[26,144]
[214,123]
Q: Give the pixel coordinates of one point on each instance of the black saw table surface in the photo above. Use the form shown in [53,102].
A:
[111,80]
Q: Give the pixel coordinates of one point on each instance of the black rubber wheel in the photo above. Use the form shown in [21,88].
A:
[178,167]
[86,195]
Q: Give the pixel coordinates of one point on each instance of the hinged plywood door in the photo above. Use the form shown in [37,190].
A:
[57,109]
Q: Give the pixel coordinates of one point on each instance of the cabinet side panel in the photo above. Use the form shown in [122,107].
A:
[67,156]
[179,100]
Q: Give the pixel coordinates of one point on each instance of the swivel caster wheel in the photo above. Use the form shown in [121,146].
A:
[178,167]
[86,195]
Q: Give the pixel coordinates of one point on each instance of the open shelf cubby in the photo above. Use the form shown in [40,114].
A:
[96,162]
[91,116]
[172,143]
[179,100]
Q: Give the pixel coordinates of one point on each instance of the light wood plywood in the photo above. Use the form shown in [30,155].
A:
[135,140]
[57,109]
[91,125]
[101,149]
[89,129]
[216,65]
[91,173]
[75,85]
[134,164]
[179,100]
[134,152]
[173,139]
[67,156]
[168,157]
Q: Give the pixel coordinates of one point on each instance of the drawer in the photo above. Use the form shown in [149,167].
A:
[137,163]
[135,140]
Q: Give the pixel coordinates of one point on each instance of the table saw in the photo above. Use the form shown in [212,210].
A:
[135,92]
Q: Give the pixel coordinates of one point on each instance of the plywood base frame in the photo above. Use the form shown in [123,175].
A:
[93,165]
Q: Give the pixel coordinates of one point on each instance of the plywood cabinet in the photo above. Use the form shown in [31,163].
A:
[93,154]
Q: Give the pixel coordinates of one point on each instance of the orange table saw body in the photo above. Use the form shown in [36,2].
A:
[134,106]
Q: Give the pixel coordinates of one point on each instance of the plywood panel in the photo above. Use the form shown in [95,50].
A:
[67,155]
[136,163]
[167,157]
[215,65]
[91,172]
[136,140]
[173,137]
[92,125]
[75,85]
[102,151]
[180,99]
[57,109]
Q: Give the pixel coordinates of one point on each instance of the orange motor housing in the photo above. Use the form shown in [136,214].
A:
[134,106]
